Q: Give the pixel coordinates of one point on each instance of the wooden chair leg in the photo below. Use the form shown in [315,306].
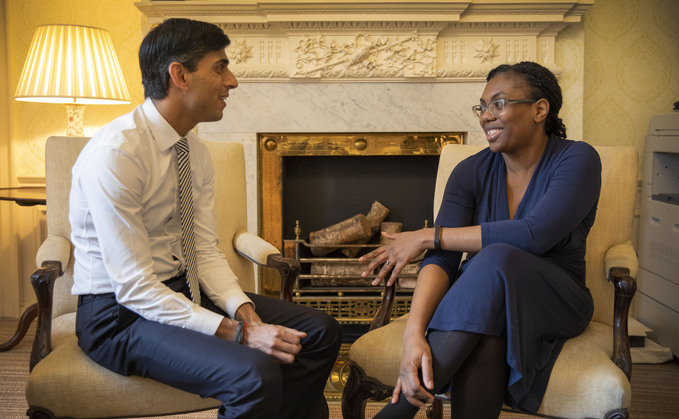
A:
[358,389]
[39,413]
[24,323]
[435,411]
[617,414]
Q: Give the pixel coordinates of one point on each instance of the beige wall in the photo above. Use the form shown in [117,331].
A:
[631,68]
[9,287]
[630,62]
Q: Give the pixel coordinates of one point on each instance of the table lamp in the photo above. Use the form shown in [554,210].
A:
[74,65]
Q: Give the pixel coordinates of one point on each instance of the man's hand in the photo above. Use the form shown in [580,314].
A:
[283,343]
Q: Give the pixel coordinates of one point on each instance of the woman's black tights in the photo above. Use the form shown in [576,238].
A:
[475,365]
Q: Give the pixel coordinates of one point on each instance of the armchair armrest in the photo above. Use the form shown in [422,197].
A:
[253,247]
[263,253]
[622,267]
[622,256]
[54,249]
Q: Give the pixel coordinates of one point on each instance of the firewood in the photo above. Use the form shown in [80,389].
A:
[375,216]
[344,232]
[389,228]
[408,276]
[341,282]
[338,268]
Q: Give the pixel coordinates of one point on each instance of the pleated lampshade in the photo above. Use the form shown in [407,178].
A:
[72,64]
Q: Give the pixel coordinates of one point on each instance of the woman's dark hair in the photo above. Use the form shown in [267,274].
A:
[543,84]
[175,40]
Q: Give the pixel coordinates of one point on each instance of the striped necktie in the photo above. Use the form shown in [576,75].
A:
[186,217]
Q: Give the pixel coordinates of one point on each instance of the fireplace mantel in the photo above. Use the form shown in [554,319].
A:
[332,40]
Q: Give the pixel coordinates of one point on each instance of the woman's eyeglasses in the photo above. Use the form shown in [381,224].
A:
[497,107]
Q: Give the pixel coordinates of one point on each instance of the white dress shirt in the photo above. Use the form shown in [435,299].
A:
[125,225]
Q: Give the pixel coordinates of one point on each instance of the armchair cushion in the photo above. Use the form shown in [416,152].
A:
[584,382]
[68,381]
[379,352]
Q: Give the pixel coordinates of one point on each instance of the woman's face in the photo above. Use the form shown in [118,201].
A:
[518,125]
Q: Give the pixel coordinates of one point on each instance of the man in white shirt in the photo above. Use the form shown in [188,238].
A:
[262,358]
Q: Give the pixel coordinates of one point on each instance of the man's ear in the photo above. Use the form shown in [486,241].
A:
[542,110]
[178,75]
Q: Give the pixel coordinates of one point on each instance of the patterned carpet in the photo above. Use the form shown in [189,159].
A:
[655,388]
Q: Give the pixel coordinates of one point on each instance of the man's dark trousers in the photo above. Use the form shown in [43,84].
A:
[249,383]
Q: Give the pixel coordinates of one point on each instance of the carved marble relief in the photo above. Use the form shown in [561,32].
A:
[486,51]
[364,56]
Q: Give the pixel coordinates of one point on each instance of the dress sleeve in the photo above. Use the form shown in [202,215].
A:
[569,192]
[457,210]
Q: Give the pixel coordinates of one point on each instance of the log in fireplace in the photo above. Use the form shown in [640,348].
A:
[311,181]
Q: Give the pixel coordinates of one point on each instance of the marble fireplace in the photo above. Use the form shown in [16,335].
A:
[376,66]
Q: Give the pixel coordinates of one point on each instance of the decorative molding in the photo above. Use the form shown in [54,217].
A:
[334,40]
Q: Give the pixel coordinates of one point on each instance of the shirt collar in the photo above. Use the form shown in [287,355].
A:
[163,133]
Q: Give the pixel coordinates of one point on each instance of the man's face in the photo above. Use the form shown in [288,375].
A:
[209,87]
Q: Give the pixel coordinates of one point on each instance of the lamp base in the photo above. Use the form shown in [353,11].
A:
[74,117]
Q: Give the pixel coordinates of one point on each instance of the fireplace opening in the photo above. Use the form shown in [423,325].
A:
[320,191]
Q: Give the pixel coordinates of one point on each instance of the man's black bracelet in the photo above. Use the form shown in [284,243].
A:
[239,332]
[437,237]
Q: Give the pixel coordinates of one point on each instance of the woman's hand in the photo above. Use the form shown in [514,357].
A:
[403,248]
[416,357]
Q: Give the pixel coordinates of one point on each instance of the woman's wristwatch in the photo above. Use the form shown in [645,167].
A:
[437,237]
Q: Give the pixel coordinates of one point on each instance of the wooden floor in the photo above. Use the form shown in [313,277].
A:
[655,387]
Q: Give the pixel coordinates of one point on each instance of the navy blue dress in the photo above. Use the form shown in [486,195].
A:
[528,282]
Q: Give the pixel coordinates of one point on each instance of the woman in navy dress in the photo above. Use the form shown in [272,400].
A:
[490,330]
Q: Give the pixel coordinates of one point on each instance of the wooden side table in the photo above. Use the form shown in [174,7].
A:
[25,197]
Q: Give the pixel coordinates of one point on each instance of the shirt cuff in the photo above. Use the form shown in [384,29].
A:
[235,299]
[205,321]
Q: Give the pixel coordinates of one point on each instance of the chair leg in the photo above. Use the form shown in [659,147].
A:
[358,389]
[39,413]
[617,414]
[24,323]
[435,411]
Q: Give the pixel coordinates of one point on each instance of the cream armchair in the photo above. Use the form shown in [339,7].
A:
[63,381]
[591,375]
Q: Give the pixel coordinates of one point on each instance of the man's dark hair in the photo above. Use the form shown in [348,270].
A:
[543,84]
[184,41]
